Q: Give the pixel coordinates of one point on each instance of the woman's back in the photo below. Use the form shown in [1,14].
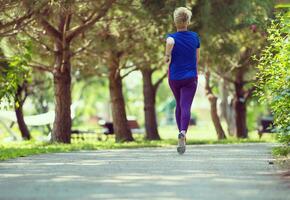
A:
[183,57]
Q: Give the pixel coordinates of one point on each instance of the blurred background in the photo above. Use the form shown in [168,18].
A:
[94,70]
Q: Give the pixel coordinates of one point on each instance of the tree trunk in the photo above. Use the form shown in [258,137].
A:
[241,111]
[215,118]
[18,106]
[213,108]
[62,88]
[149,94]
[231,116]
[224,93]
[227,108]
[62,122]
[120,123]
[240,94]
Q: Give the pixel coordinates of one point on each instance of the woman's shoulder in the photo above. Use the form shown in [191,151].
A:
[194,33]
[181,34]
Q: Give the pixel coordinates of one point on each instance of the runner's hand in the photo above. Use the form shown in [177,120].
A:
[167,59]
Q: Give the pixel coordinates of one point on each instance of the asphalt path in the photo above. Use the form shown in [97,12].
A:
[204,172]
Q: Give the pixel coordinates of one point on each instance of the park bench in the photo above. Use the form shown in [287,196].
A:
[41,119]
[32,120]
[134,126]
[86,134]
[266,125]
[109,128]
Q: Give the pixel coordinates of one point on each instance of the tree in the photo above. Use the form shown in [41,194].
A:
[147,68]
[56,24]
[118,35]
[14,84]
[12,18]
[232,37]
[127,47]
[20,98]
[149,94]
[121,128]
[148,58]
[213,107]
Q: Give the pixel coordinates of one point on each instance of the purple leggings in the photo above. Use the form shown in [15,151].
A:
[183,91]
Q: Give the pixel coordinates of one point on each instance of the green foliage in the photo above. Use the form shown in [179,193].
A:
[226,33]
[274,75]
[214,18]
[283,5]
[281,150]
[14,71]
[161,11]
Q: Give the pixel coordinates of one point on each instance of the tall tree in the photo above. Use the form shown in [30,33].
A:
[120,122]
[56,26]
[213,107]
[149,94]
[126,39]
[148,56]
[117,34]
[233,35]
[147,68]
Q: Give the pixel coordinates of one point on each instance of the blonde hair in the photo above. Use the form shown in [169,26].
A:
[182,16]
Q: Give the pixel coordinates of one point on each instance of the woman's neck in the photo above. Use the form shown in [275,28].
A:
[181,29]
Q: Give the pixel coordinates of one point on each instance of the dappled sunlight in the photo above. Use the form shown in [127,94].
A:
[128,173]
[144,99]
[243,180]
[68,178]
[10,175]
[141,194]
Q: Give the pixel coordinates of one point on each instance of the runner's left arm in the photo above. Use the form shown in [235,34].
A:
[168,49]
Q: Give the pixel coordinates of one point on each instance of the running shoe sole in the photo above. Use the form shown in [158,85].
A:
[181,144]
[181,150]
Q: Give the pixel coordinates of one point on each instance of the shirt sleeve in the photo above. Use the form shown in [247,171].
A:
[170,40]
[198,41]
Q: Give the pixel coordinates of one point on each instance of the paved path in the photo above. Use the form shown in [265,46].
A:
[207,172]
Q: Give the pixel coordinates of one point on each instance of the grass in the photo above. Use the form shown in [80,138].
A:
[283,150]
[22,149]
[202,134]
[27,148]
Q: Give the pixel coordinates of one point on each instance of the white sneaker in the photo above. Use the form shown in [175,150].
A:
[181,144]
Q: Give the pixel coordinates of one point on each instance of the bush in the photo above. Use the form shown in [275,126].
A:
[274,75]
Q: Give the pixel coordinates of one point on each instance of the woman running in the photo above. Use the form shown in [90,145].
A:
[182,56]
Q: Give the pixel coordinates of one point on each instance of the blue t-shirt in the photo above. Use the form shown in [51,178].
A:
[183,56]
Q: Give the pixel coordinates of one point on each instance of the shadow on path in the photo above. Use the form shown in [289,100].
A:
[205,172]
